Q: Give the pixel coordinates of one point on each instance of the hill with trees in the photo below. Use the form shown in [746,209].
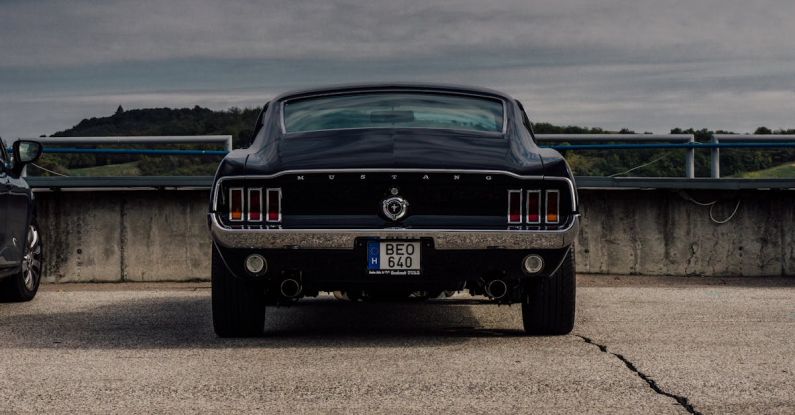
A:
[240,123]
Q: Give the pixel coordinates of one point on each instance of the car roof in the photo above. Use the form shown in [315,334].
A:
[394,86]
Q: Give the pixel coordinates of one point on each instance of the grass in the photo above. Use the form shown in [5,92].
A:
[122,169]
[786,170]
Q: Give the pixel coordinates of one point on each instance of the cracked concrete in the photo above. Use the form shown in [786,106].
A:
[681,400]
[725,345]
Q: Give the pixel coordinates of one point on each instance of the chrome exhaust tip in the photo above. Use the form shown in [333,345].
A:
[496,289]
[290,288]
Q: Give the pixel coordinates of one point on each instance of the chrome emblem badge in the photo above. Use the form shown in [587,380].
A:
[395,207]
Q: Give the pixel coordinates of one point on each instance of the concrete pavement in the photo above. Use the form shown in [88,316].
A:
[641,345]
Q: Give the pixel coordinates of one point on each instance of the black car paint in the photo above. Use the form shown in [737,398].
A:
[274,151]
[16,214]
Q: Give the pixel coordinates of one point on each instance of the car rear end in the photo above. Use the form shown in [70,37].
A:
[335,230]
[393,192]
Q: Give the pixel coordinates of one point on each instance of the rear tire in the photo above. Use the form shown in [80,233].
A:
[24,285]
[238,304]
[548,303]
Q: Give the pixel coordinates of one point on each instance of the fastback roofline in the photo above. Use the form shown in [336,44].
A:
[365,87]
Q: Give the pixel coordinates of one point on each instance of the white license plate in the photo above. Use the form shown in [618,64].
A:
[393,258]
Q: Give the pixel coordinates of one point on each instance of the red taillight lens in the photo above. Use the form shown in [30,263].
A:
[514,206]
[255,205]
[553,203]
[274,205]
[236,204]
[533,206]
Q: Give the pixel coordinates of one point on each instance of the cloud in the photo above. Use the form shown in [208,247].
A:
[642,64]
[83,31]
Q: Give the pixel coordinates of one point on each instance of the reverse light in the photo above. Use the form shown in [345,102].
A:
[553,203]
[256,264]
[274,205]
[514,206]
[236,204]
[533,264]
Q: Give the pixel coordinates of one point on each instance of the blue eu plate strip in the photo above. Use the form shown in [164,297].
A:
[373,255]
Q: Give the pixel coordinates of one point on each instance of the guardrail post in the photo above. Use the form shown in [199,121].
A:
[715,159]
[228,144]
[690,159]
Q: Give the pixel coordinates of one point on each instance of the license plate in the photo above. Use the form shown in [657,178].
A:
[393,258]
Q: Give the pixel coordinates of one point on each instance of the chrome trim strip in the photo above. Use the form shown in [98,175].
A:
[391,170]
[444,239]
[572,190]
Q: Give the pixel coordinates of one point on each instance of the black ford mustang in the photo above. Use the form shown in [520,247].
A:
[393,191]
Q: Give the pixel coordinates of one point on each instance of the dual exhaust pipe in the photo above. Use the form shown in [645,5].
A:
[257,265]
[498,289]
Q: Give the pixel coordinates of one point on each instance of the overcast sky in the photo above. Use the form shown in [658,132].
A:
[647,65]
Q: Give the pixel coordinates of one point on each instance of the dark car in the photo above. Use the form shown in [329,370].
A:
[20,240]
[393,191]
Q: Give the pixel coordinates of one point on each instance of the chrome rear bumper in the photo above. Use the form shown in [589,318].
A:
[345,238]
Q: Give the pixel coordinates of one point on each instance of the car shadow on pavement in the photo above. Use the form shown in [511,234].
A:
[186,322]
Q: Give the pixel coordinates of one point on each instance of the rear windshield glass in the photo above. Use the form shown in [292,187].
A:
[393,110]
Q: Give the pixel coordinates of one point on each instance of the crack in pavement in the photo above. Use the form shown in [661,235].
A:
[681,400]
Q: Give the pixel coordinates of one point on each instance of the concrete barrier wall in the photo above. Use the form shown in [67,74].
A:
[125,235]
[659,232]
[162,235]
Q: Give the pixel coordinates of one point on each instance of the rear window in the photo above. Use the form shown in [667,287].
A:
[394,110]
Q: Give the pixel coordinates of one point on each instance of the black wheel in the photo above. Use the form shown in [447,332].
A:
[238,304]
[548,303]
[23,286]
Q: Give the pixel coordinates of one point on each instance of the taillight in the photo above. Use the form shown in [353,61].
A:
[236,204]
[553,203]
[514,206]
[533,206]
[525,206]
[274,205]
[255,205]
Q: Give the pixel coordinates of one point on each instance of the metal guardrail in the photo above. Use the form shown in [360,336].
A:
[745,141]
[119,182]
[226,140]
[667,140]
[615,142]
[675,141]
